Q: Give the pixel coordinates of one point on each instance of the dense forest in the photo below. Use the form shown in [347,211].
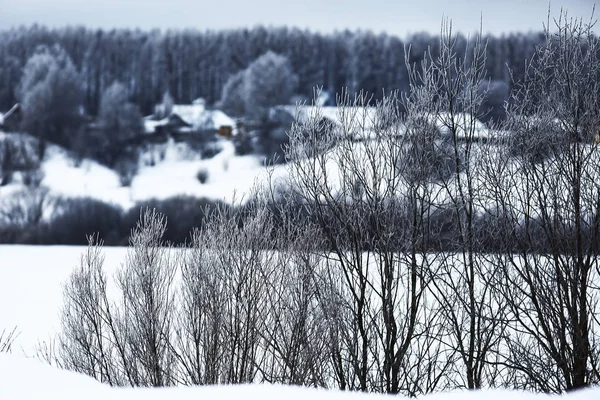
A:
[191,63]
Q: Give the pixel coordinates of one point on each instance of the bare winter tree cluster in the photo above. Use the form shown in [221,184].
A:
[228,309]
[412,250]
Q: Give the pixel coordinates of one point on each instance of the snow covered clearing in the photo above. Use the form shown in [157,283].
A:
[165,170]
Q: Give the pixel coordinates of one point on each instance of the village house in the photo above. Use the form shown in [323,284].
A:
[190,119]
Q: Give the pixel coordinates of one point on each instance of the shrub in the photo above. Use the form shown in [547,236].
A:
[211,150]
[243,144]
[135,333]
[21,214]
[7,338]
[202,175]
[184,213]
[78,218]
[127,167]
[18,152]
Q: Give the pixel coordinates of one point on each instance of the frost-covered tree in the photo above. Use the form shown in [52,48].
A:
[192,64]
[51,95]
[268,81]
[232,99]
[119,120]
[551,202]
[164,109]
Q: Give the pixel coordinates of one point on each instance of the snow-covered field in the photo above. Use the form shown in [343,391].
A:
[31,288]
[29,379]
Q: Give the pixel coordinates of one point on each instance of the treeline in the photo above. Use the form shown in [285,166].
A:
[191,64]
[35,216]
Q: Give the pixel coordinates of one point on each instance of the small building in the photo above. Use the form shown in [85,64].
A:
[191,119]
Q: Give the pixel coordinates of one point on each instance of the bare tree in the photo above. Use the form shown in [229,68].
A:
[147,284]
[83,345]
[445,92]
[23,212]
[295,333]
[126,343]
[225,276]
[371,211]
[550,285]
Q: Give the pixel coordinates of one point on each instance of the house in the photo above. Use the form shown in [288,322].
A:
[191,119]
[464,125]
[359,122]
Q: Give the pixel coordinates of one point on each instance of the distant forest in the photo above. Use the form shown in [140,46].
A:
[191,64]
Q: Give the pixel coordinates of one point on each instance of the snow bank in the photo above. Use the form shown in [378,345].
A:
[24,378]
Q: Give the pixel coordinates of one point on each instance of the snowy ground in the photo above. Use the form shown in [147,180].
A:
[31,379]
[166,170]
[31,289]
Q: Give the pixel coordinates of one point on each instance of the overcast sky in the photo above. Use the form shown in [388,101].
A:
[399,17]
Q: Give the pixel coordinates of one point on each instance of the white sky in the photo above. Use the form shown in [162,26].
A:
[398,17]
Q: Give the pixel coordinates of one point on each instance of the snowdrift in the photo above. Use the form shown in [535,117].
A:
[25,378]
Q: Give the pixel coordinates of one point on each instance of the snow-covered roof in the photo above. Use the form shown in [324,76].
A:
[357,115]
[196,115]
[151,124]
[462,122]
[200,118]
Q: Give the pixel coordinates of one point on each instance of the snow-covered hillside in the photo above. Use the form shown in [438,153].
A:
[24,378]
